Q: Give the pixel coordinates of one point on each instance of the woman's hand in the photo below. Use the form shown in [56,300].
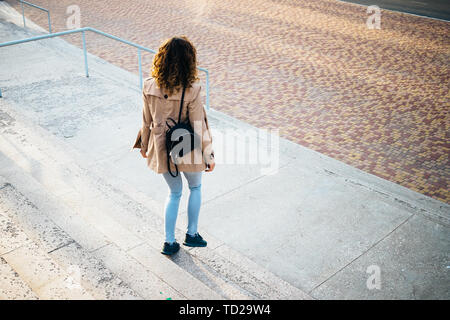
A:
[210,167]
[144,155]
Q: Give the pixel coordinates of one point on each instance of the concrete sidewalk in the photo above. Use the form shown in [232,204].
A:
[313,225]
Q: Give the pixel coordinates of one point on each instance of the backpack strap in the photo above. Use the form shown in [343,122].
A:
[168,166]
[168,125]
[181,104]
[167,150]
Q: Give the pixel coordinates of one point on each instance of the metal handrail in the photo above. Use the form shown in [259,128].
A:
[37,7]
[83,31]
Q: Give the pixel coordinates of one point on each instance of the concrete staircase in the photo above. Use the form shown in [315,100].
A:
[67,234]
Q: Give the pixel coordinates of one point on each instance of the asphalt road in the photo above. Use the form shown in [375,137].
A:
[439,9]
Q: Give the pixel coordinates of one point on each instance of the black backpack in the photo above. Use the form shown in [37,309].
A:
[180,137]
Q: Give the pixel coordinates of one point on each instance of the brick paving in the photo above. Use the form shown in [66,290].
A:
[375,99]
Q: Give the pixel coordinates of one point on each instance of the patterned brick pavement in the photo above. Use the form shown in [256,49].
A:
[375,99]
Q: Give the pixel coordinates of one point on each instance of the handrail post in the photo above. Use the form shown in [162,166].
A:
[85,54]
[49,23]
[140,68]
[23,14]
[207,89]
[86,66]
[37,7]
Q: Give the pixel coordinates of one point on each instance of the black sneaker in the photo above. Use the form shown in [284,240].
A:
[194,241]
[170,249]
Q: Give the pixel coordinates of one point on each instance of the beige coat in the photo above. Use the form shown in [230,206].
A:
[157,108]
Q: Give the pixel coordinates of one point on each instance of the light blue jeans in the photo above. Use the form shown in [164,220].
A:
[173,202]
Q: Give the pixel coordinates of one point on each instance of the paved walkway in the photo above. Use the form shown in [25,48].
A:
[73,194]
[375,99]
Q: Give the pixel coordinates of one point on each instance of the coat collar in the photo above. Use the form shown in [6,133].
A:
[151,88]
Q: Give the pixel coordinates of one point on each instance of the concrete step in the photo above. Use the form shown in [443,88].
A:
[29,271]
[98,280]
[12,287]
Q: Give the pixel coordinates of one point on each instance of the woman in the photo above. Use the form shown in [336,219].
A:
[174,67]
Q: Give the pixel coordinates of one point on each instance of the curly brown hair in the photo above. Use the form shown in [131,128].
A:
[175,64]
